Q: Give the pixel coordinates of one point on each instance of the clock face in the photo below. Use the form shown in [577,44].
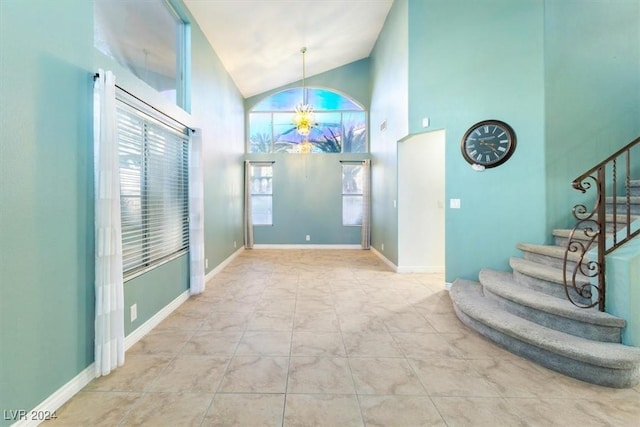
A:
[488,143]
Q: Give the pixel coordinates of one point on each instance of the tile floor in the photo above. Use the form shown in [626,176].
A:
[332,338]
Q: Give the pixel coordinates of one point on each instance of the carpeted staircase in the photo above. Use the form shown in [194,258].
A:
[527,312]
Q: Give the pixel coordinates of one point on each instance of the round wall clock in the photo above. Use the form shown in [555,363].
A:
[488,144]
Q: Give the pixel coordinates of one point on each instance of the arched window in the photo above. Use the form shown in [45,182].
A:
[340,123]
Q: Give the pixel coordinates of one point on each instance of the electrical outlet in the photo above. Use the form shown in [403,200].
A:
[206,263]
[382,247]
[235,245]
[308,238]
[134,312]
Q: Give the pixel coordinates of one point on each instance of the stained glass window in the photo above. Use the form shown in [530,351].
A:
[340,123]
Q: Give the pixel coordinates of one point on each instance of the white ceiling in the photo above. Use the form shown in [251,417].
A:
[259,41]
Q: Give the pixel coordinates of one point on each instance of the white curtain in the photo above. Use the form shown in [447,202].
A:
[365,238]
[196,216]
[109,322]
[248,213]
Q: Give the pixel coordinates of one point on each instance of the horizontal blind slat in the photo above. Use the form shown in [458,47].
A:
[154,189]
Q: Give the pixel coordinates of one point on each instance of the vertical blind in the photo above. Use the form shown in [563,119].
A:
[153,189]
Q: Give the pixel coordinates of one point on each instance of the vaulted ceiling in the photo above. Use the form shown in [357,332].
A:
[259,41]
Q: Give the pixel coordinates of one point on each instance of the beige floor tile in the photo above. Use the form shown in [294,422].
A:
[277,305]
[212,343]
[256,374]
[358,322]
[89,408]
[312,410]
[437,303]
[319,375]
[243,410]
[183,320]
[424,346]
[169,409]
[384,376]
[478,412]
[191,374]
[399,411]
[407,321]
[227,321]
[166,342]
[271,321]
[577,412]
[138,372]
[446,323]
[316,320]
[470,345]
[452,377]
[317,344]
[265,344]
[375,344]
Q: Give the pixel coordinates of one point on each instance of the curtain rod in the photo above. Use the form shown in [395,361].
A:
[97,75]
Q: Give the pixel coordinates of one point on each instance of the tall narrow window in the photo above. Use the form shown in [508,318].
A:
[153,189]
[148,38]
[262,194]
[352,194]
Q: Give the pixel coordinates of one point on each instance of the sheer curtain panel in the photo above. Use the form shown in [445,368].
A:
[366,205]
[196,216]
[248,212]
[109,321]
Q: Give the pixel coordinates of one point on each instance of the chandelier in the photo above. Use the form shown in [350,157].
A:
[303,117]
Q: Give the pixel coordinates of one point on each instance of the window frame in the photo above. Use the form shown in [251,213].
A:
[343,164]
[157,122]
[264,195]
[290,111]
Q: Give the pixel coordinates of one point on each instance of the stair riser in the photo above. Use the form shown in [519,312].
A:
[609,226]
[547,260]
[618,378]
[559,323]
[549,288]
[621,208]
[562,241]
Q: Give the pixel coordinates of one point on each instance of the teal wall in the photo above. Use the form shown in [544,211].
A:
[471,61]
[307,200]
[389,105]
[592,89]
[46,197]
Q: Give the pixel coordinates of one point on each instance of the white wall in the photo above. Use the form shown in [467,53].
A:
[421,202]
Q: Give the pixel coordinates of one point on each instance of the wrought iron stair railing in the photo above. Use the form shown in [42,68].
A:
[590,231]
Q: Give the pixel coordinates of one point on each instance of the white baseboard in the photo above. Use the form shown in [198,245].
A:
[307,247]
[52,403]
[420,269]
[384,259]
[222,265]
[154,321]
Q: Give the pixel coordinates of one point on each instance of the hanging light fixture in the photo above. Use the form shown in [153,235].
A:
[304,117]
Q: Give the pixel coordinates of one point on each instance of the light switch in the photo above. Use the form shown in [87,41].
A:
[454,203]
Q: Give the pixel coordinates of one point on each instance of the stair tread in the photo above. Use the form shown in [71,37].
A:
[549,250]
[468,297]
[502,283]
[579,234]
[541,271]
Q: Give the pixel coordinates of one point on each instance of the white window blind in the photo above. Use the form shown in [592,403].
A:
[153,189]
